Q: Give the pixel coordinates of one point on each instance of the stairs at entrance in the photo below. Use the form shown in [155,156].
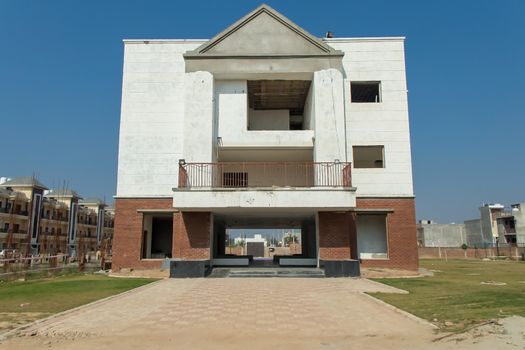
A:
[267,272]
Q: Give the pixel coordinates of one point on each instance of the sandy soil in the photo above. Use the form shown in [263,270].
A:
[272,313]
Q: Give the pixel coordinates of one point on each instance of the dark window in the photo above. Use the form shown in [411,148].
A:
[369,156]
[235,179]
[365,91]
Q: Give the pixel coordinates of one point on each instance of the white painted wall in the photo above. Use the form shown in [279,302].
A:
[313,198]
[275,119]
[168,114]
[328,111]
[152,118]
[384,123]
[309,107]
[199,143]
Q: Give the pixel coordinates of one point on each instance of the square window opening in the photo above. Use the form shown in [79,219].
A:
[369,156]
[365,91]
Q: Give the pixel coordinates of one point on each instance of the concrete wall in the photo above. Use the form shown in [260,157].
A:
[328,111]
[277,119]
[152,118]
[519,217]
[489,229]
[443,235]
[199,143]
[309,107]
[515,253]
[385,123]
[161,104]
[473,233]
[238,200]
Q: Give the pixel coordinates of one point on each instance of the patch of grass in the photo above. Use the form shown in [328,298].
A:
[455,292]
[49,296]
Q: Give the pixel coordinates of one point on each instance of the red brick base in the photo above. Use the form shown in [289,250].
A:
[337,233]
[338,237]
[401,227]
[191,233]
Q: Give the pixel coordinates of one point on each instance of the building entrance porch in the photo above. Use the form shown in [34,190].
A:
[264,240]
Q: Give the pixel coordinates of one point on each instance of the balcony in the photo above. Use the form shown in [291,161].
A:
[264,185]
[14,212]
[264,175]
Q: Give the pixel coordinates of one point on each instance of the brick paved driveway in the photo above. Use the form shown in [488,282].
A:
[234,313]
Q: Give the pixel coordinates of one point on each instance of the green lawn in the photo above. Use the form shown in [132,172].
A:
[21,302]
[455,292]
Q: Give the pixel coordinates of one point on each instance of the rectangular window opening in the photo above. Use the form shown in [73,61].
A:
[369,156]
[372,237]
[365,91]
[157,236]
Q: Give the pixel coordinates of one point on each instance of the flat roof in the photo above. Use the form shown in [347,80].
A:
[328,40]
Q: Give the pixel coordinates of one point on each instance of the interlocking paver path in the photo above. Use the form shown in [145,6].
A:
[234,313]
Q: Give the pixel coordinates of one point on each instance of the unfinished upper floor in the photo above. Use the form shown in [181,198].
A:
[264,91]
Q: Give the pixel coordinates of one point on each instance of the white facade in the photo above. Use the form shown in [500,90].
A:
[171,112]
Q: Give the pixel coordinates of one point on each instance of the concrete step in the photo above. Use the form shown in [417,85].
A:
[277,272]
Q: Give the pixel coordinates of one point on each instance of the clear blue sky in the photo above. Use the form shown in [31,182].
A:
[61,71]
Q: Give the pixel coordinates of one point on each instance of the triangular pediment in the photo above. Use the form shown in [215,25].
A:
[263,32]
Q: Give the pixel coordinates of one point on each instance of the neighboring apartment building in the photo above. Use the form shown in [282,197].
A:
[51,221]
[265,126]
[496,225]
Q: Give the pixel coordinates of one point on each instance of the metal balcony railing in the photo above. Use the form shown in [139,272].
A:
[264,174]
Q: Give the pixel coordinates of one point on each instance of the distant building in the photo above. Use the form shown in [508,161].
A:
[495,225]
[34,219]
[432,234]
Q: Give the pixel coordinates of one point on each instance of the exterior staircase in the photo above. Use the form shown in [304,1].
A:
[267,272]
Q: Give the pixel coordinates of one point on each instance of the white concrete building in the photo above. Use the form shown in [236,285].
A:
[265,125]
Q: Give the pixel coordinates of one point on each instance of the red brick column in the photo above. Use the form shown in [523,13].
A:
[191,235]
[127,239]
[401,227]
[337,235]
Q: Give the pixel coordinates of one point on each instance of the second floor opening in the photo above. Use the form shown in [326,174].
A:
[279,104]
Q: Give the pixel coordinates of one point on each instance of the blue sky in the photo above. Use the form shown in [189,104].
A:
[61,74]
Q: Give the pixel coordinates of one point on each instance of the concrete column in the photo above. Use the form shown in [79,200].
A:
[199,142]
[329,120]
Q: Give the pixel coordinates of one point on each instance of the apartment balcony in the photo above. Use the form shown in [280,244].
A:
[14,212]
[252,185]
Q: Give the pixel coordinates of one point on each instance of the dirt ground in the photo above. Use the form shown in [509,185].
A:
[254,313]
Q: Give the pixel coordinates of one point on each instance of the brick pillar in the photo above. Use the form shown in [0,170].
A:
[337,236]
[191,235]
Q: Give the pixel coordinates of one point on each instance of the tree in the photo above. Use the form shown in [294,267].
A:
[290,238]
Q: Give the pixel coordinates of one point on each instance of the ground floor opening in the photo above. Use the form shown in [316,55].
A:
[259,239]
[157,236]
